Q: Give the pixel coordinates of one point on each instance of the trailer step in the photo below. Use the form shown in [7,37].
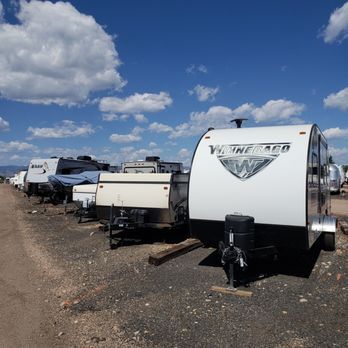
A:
[174,251]
[228,291]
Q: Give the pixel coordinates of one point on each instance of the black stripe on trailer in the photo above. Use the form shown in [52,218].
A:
[212,232]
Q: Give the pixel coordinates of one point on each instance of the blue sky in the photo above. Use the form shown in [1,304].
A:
[120,80]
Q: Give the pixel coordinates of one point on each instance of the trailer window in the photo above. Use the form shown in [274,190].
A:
[314,169]
[139,170]
[323,163]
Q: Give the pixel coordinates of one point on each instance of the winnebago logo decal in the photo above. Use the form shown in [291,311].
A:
[246,160]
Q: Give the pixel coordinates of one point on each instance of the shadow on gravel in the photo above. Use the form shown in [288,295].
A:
[149,236]
[297,263]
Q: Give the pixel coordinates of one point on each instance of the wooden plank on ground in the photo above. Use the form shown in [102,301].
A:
[174,251]
[242,293]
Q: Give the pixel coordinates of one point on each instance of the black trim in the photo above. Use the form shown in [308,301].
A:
[309,158]
[212,232]
[154,215]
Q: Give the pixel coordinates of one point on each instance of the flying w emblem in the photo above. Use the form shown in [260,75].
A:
[244,161]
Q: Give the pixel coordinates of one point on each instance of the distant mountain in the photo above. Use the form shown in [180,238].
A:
[10,170]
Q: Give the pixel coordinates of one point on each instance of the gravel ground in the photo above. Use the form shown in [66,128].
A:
[109,298]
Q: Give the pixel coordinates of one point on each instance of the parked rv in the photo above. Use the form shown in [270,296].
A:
[39,169]
[342,174]
[21,178]
[84,198]
[237,196]
[152,164]
[14,180]
[335,179]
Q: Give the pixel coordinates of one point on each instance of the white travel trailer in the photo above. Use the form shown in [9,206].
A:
[39,169]
[152,164]
[342,175]
[147,200]
[84,198]
[84,195]
[21,179]
[262,187]
[14,180]
[335,178]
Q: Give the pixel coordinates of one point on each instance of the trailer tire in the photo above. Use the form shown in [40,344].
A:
[329,241]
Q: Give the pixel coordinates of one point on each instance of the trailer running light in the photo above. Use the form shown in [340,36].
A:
[165,188]
[207,137]
[302,133]
[101,186]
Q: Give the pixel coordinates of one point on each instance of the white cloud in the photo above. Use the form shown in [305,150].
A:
[204,93]
[4,125]
[337,29]
[337,132]
[55,54]
[140,118]
[216,116]
[65,152]
[184,153]
[277,110]
[130,153]
[339,155]
[113,117]
[65,129]
[185,156]
[16,146]
[127,138]
[337,100]
[192,69]
[160,128]
[152,144]
[137,103]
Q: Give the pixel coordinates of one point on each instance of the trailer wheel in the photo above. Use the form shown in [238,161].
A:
[328,241]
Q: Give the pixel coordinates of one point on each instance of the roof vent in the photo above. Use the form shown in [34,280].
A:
[152,158]
[84,158]
[239,121]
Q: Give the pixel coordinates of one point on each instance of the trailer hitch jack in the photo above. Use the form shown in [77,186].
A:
[232,257]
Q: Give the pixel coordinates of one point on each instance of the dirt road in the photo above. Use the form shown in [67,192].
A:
[25,317]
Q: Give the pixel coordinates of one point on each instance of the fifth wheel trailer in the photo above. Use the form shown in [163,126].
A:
[271,183]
